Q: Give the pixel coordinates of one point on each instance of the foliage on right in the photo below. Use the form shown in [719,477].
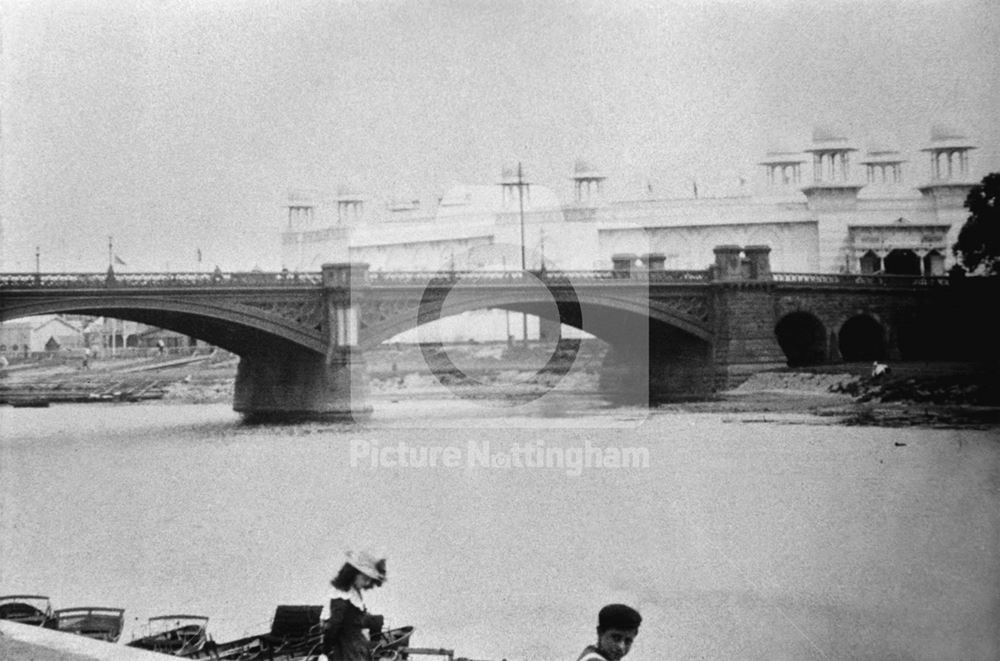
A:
[978,245]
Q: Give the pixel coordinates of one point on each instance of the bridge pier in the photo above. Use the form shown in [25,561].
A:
[745,315]
[293,385]
[290,383]
[680,373]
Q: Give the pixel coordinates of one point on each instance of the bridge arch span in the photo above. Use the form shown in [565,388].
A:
[863,337]
[238,329]
[802,337]
[614,320]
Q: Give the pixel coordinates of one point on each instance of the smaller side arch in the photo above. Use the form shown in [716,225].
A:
[802,338]
[862,338]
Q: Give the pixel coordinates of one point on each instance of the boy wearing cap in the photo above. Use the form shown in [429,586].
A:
[617,627]
[344,616]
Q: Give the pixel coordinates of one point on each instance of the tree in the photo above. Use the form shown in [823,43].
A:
[978,245]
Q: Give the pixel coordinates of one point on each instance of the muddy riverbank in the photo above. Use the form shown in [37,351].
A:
[916,393]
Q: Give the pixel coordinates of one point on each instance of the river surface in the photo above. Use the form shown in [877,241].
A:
[737,536]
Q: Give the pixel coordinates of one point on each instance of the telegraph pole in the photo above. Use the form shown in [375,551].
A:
[507,338]
[524,265]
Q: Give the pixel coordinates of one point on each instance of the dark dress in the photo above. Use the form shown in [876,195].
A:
[343,634]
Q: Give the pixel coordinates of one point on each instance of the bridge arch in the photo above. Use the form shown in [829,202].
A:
[802,337]
[235,328]
[609,318]
[862,337]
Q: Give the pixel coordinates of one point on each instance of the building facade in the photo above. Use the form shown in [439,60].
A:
[818,211]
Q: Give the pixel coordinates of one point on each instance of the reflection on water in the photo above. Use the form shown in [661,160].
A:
[736,540]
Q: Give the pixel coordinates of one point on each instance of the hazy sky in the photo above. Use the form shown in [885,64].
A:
[175,126]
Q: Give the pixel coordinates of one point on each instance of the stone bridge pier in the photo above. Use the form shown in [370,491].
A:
[679,365]
[284,382]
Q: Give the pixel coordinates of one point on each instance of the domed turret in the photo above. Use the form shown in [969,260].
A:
[301,207]
[587,182]
[350,203]
[514,184]
[831,155]
[949,150]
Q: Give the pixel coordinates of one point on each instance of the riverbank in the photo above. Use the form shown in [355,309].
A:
[21,642]
[935,394]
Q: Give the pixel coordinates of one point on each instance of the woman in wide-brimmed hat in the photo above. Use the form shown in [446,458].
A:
[344,615]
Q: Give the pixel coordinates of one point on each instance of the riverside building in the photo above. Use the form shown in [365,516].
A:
[830,206]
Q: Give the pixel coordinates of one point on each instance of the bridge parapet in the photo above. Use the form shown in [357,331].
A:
[154,280]
[312,280]
[504,278]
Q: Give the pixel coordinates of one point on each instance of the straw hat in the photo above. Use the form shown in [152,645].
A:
[367,564]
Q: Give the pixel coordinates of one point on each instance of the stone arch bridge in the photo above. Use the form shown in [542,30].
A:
[301,337]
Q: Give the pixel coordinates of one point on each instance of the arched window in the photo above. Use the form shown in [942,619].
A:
[870,263]
[934,263]
[902,262]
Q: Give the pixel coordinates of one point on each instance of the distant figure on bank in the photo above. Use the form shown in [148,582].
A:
[86,359]
[161,347]
[617,627]
[344,617]
[878,369]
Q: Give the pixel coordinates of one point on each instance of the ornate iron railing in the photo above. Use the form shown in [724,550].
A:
[869,280]
[512,277]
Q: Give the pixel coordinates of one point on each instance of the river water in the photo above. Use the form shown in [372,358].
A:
[738,536]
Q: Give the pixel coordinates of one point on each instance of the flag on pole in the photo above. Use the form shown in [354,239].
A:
[119,260]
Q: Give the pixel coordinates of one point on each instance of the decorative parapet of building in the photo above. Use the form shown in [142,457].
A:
[883,166]
[783,168]
[883,161]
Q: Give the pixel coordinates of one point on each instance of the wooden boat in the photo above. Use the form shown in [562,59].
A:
[94,622]
[295,634]
[178,635]
[33,609]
